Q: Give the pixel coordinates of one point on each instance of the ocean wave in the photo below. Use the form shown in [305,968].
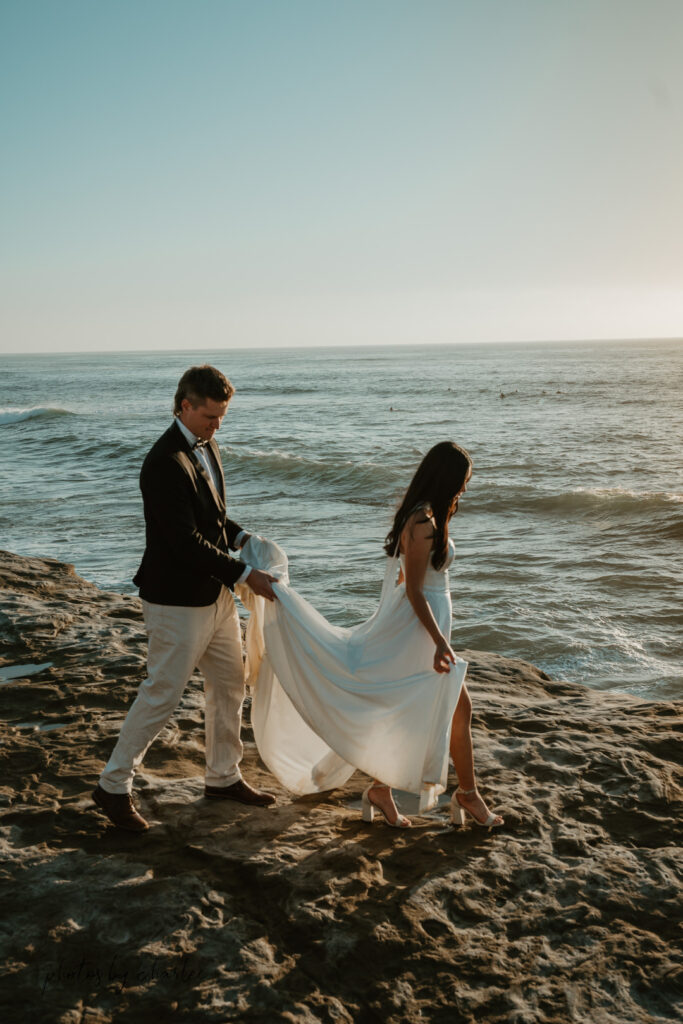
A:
[371,481]
[346,478]
[612,499]
[11,415]
[582,500]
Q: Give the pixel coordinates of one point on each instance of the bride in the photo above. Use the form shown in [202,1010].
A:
[386,696]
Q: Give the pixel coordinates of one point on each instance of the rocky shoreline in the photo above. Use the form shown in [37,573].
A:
[301,913]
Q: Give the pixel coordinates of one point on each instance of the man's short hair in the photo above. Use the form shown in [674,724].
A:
[202,382]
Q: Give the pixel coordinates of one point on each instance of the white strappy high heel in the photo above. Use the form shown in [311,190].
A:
[458,811]
[369,808]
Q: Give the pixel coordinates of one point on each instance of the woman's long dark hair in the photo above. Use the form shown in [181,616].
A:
[439,477]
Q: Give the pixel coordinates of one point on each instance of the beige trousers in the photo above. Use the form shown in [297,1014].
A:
[180,640]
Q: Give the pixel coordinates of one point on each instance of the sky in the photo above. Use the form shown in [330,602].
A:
[231,173]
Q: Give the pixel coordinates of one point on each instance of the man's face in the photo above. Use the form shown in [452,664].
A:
[205,420]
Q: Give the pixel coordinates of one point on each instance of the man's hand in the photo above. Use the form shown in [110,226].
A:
[260,583]
[245,538]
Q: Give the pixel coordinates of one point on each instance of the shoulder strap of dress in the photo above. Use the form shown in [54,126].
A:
[420,507]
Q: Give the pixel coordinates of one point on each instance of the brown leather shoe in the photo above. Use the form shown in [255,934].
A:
[241,792]
[120,809]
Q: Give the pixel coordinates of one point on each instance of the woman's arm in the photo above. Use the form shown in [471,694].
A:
[416,540]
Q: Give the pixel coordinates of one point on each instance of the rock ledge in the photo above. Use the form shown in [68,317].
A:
[301,913]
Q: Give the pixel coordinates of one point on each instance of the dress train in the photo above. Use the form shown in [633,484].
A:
[328,700]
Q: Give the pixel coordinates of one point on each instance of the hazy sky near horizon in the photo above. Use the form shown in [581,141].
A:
[264,172]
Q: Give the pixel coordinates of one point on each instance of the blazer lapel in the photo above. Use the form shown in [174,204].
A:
[209,482]
[218,465]
[197,463]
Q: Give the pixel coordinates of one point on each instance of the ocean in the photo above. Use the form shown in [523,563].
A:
[568,539]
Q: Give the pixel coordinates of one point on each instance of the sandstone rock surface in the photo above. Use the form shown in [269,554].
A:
[301,913]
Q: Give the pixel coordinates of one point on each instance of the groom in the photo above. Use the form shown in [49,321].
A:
[186,579]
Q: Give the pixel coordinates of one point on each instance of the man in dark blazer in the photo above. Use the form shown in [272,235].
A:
[186,579]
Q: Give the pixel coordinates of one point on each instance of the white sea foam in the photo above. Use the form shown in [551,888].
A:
[10,415]
[611,493]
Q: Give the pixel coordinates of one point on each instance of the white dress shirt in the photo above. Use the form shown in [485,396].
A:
[204,459]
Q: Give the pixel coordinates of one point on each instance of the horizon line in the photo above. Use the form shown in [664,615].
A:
[350,345]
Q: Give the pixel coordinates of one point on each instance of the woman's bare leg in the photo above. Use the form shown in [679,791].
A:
[462,754]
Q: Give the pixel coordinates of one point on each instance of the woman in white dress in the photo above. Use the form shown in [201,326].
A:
[386,696]
[420,535]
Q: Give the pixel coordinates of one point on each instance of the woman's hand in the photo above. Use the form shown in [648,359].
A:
[443,655]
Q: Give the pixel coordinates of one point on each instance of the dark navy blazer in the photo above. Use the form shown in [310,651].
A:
[188,534]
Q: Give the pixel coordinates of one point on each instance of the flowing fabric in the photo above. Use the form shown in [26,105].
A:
[328,700]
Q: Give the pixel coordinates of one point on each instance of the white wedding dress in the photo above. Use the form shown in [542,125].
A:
[329,699]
